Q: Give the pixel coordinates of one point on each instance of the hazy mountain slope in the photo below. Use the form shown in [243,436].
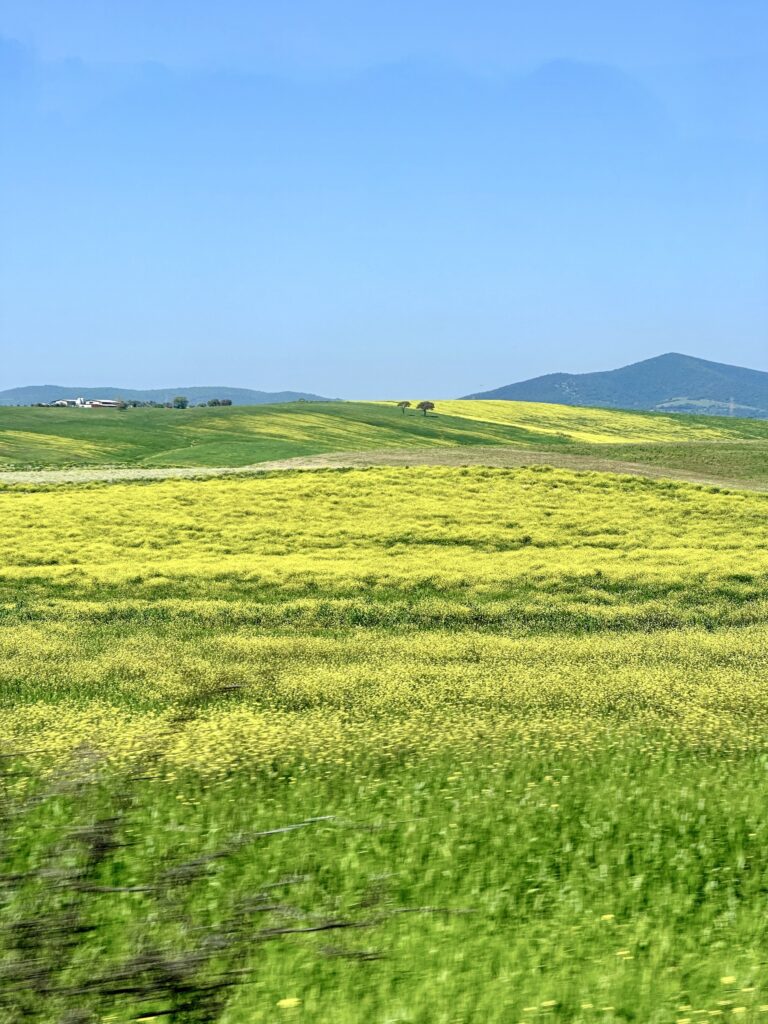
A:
[670,383]
[238,396]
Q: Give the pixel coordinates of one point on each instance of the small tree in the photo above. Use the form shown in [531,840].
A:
[426,407]
[214,401]
[402,406]
[226,401]
[180,402]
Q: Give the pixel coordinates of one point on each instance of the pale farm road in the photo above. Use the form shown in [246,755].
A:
[489,456]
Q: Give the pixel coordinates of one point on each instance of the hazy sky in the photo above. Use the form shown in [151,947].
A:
[373,199]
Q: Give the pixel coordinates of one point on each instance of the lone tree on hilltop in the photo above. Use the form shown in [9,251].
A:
[402,406]
[426,407]
[180,402]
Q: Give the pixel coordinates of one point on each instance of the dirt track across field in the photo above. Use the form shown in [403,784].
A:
[495,456]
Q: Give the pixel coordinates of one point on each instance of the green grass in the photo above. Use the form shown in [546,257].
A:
[604,887]
[731,460]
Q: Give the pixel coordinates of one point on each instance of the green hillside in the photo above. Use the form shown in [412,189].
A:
[232,436]
[240,436]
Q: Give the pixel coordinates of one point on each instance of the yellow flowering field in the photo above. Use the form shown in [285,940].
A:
[597,426]
[508,727]
[512,605]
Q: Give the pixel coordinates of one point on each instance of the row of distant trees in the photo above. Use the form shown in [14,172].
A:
[181,402]
[424,407]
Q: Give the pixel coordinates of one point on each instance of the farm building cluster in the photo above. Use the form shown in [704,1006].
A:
[83,403]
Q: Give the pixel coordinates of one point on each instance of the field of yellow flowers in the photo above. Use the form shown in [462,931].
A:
[425,745]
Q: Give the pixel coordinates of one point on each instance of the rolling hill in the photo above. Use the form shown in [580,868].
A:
[714,448]
[601,426]
[666,383]
[46,393]
[234,436]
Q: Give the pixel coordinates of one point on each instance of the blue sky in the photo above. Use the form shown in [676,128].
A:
[376,199]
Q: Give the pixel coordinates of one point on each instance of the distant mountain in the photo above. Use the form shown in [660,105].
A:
[668,383]
[239,396]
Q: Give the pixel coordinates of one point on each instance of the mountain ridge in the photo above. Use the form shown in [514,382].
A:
[34,394]
[672,382]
